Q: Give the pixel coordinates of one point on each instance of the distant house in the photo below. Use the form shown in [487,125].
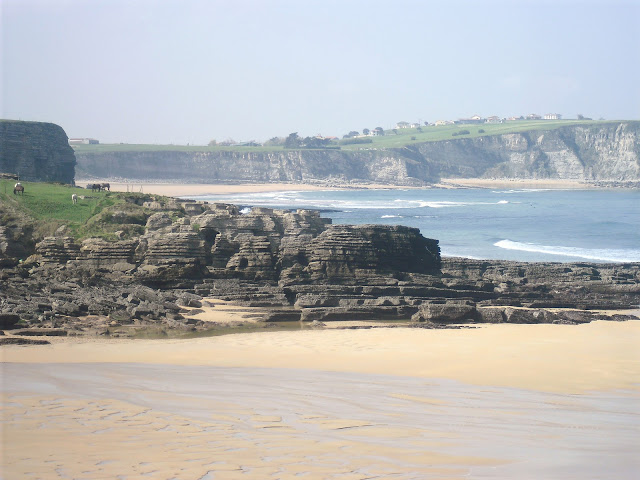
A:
[443,122]
[403,125]
[474,119]
[494,119]
[83,141]
[515,119]
[552,116]
[415,125]
[533,116]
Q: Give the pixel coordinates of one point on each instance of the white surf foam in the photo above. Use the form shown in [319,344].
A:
[606,255]
[524,190]
[443,204]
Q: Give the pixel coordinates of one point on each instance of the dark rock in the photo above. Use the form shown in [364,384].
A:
[449,312]
[36,151]
[282,316]
[42,332]
[8,320]
[490,315]
[22,341]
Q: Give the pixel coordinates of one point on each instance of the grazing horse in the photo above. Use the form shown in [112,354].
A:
[105,186]
[74,198]
[96,187]
[18,188]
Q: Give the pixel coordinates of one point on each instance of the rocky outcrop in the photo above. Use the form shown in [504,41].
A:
[265,244]
[36,151]
[343,253]
[597,152]
[298,267]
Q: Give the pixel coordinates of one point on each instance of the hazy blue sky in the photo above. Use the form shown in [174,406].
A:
[187,71]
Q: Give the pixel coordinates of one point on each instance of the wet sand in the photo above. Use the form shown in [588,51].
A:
[501,401]
[194,189]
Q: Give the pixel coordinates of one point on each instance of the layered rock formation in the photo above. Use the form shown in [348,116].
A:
[36,151]
[295,265]
[217,241]
[600,152]
[604,152]
[303,166]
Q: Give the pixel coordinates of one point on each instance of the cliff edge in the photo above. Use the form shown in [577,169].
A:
[36,151]
[598,152]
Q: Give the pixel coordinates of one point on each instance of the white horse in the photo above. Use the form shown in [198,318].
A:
[74,198]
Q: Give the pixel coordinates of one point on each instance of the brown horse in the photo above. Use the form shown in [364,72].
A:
[18,188]
[105,186]
[95,187]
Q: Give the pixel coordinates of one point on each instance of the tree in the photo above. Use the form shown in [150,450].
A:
[426,124]
[275,141]
[292,141]
[213,143]
[580,116]
[379,130]
[366,131]
[353,133]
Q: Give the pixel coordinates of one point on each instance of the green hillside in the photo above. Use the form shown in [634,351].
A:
[48,206]
[392,139]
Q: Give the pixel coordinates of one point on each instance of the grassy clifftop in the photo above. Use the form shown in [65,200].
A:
[392,138]
[48,206]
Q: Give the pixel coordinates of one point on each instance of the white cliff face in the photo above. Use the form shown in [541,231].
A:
[607,152]
[602,152]
[615,152]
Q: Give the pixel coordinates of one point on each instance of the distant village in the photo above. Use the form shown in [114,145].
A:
[475,119]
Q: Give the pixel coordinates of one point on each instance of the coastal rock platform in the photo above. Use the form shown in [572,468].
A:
[296,266]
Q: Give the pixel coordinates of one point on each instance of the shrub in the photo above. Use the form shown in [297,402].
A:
[461,132]
[481,130]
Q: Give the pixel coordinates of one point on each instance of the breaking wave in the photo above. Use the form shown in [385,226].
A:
[605,255]
[444,204]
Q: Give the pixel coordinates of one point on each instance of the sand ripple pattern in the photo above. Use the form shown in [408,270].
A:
[133,421]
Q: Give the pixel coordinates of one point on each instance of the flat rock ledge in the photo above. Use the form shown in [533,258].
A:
[294,266]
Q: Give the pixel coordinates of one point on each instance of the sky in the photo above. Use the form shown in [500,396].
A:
[189,71]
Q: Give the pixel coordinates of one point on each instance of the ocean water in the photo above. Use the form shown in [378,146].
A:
[507,224]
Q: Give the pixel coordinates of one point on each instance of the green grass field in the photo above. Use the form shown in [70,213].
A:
[404,136]
[401,138]
[50,206]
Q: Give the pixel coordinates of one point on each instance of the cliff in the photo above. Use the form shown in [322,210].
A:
[295,166]
[601,152]
[36,151]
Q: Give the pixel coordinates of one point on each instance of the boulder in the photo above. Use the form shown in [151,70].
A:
[449,312]
[8,320]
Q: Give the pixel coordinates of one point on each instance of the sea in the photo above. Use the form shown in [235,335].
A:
[595,225]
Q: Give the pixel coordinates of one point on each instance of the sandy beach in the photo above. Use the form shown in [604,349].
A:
[187,189]
[500,401]
[514,183]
